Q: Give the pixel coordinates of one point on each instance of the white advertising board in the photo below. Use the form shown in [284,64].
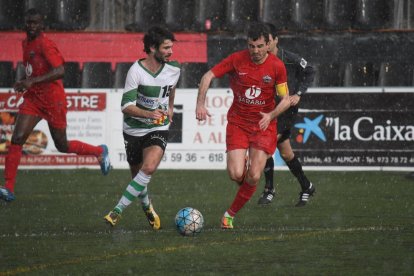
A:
[94,116]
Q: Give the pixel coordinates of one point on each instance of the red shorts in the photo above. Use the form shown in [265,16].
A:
[53,112]
[240,138]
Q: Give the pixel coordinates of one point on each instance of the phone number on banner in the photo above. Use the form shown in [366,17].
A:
[183,159]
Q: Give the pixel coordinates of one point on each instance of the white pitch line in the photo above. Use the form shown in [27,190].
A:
[241,230]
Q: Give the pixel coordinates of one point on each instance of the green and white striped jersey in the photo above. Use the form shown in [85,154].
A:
[148,91]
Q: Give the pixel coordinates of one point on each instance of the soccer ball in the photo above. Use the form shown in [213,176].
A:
[189,221]
[36,143]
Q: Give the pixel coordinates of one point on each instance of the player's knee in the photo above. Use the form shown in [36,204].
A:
[17,140]
[287,156]
[62,147]
[253,177]
[286,152]
[149,169]
[235,175]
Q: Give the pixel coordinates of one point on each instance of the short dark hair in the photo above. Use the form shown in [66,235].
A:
[33,12]
[155,36]
[272,29]
[256,30]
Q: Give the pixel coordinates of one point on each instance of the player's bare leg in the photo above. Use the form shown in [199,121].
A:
[257,161]
[236,165]
[137,188]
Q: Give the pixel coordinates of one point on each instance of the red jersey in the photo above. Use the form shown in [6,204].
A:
[253,85]
[39,57]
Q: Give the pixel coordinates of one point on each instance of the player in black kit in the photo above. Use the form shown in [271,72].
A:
[300,77]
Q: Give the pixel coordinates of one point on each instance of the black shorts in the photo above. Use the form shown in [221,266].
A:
[135,145]
[285,123]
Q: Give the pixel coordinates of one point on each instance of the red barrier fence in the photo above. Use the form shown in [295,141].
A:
[106,47]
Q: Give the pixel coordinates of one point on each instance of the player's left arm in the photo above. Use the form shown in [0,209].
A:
[305,75]
[282,92]
[281,107]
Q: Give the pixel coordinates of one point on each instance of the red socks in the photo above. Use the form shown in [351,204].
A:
[81,148]
[244,194]
[12,163]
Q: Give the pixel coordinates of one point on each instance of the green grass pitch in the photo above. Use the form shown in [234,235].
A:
[358,223]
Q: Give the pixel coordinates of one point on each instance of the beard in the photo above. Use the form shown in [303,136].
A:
[161,59]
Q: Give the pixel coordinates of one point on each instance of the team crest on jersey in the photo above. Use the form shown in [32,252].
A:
[29,69]
[251,95]
[32,54]
[252,92]
[267,79]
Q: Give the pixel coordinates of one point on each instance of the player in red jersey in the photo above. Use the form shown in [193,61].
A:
[255,78]
[44,98]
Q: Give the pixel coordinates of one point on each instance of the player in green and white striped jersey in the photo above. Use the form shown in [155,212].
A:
[147,105]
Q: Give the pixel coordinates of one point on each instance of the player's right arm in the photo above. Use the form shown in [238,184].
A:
[54,74]
[128,104]
[220,69]
[201,110]
[57,71]
[134,111]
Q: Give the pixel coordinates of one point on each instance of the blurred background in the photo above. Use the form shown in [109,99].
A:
[351,43]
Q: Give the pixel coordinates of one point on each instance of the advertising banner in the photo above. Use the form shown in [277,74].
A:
[364,128]
[86,118]
[354,128]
